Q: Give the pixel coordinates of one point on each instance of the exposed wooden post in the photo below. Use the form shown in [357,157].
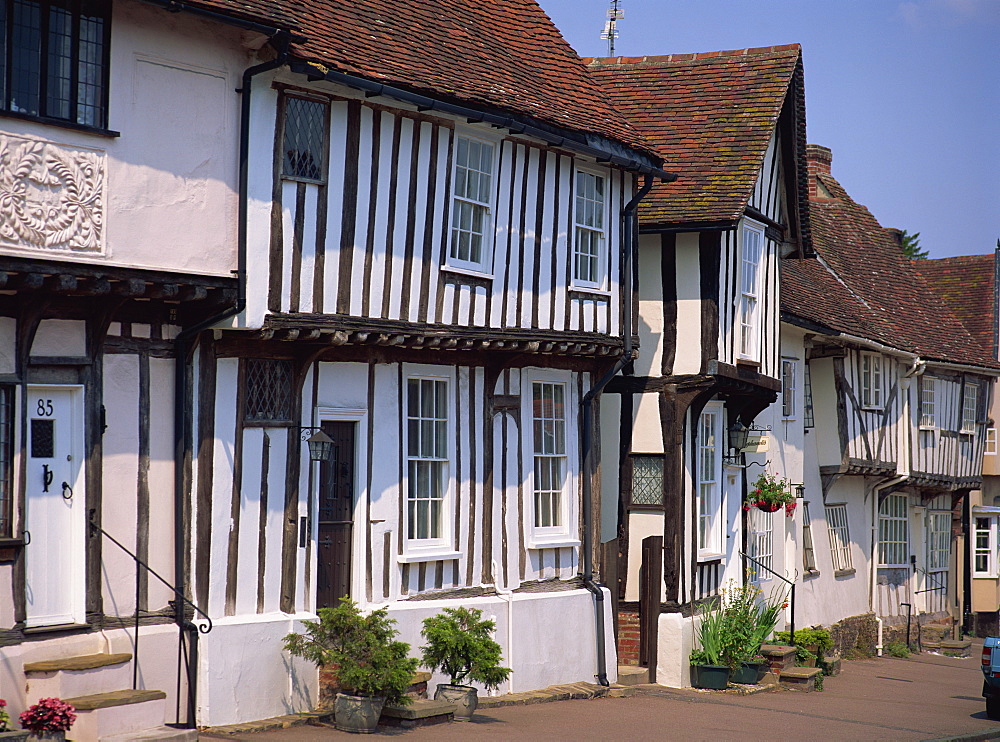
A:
[650,576]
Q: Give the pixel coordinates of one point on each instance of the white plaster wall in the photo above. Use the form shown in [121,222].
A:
[343,385]
[675,640]
[161,479]
[826,598]
[222,482]
[171,176]
[640,525]
[611,410]
[60,337]
[651,330]
[245,675]
[688,353]
[647,432]
[8,344]
[120,471]
[825,411]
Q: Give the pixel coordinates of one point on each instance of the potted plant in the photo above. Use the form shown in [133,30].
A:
[371,666]
[460,643]
[810,644]
[710,662]
[770,493]
[48,720]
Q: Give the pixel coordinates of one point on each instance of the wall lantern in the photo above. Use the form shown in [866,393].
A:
[320,444]
[739,434]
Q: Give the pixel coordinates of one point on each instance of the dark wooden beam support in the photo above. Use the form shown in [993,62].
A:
[30,281]
[131,287]
[193,293]
[164,291]
[62,283]
[98,286]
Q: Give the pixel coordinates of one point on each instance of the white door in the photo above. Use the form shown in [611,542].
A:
[55,507]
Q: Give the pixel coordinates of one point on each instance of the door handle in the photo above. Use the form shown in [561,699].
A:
[47,475]
[66,488]
[27,537]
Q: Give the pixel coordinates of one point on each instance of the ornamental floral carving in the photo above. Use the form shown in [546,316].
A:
[51,197]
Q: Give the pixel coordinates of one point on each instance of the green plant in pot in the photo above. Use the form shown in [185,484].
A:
[372,668]
[460,644]
[711,661]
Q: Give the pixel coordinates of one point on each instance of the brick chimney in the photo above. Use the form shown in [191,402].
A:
[818,161]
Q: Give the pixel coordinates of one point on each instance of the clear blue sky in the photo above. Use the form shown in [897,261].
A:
[906,94]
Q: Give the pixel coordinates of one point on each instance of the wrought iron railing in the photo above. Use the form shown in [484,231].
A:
[186,656]
[791,599]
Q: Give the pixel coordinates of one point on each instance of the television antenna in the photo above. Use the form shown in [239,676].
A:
[610,31]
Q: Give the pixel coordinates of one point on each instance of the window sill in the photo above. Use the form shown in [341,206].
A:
[590,290]
[430,556]
[810,573]
[748,362]
[564,543]
[711,557]
[467,272]
[61,124]
[983,577]
[844,572]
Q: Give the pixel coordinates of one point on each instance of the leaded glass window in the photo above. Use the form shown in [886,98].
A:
[54,59]
[807,398]
[268,390]
[647,480]
[304,141]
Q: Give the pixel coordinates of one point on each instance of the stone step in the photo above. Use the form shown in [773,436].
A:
[417,713]
[101,715]
[158,734]
[83,675]
[955,647]
[800,678]
[632,675]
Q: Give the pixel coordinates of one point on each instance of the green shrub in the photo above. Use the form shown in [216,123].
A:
[460,643]
[368,659]
[808,637]
[898,649]
[735,625]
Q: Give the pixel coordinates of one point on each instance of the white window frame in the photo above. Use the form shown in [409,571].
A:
[441,546]
[984,545]
[788,390]
[927,392]
[760,543]
[709,490]
[808,413]
[938,543]
[894,531]
[566,533]
[809,566]
[990,446]
[751,266]
[484,266]
[970,412]
[600,231]
[872,380]
[839,532]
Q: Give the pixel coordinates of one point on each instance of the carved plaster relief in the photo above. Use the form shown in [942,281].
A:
[51,196]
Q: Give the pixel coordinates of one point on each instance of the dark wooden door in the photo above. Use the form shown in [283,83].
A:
[336,517]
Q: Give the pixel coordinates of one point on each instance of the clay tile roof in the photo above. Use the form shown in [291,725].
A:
[967,285]
[709,116]
[862,284]
[502,56]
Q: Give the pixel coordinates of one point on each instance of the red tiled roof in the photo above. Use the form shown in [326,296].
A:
[503,56]
[862,284]
[709,116]
[967,285]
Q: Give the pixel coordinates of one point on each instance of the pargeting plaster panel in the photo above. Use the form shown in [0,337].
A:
[51,196]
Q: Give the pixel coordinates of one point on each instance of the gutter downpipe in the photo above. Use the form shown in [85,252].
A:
[183,346]
[916,369]
[586,403]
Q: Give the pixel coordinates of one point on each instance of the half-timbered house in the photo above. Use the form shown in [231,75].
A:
[732,124]
[228,226]
[968,285]
[895,398]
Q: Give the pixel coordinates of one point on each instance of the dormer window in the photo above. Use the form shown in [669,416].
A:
[54,60]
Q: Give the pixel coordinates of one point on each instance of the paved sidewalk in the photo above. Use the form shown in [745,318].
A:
[921,698]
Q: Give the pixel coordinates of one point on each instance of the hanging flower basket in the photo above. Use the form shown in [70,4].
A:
[771,493]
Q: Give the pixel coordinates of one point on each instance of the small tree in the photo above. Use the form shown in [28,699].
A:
[460,644]
[368,660]
[911,246]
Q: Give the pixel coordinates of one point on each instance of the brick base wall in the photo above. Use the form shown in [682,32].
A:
[628,638]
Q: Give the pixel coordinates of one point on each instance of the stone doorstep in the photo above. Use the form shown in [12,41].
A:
[417,714]
[157,734]
[83,662]
[632,675]
[275,722]
[800,678]
[114,698]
